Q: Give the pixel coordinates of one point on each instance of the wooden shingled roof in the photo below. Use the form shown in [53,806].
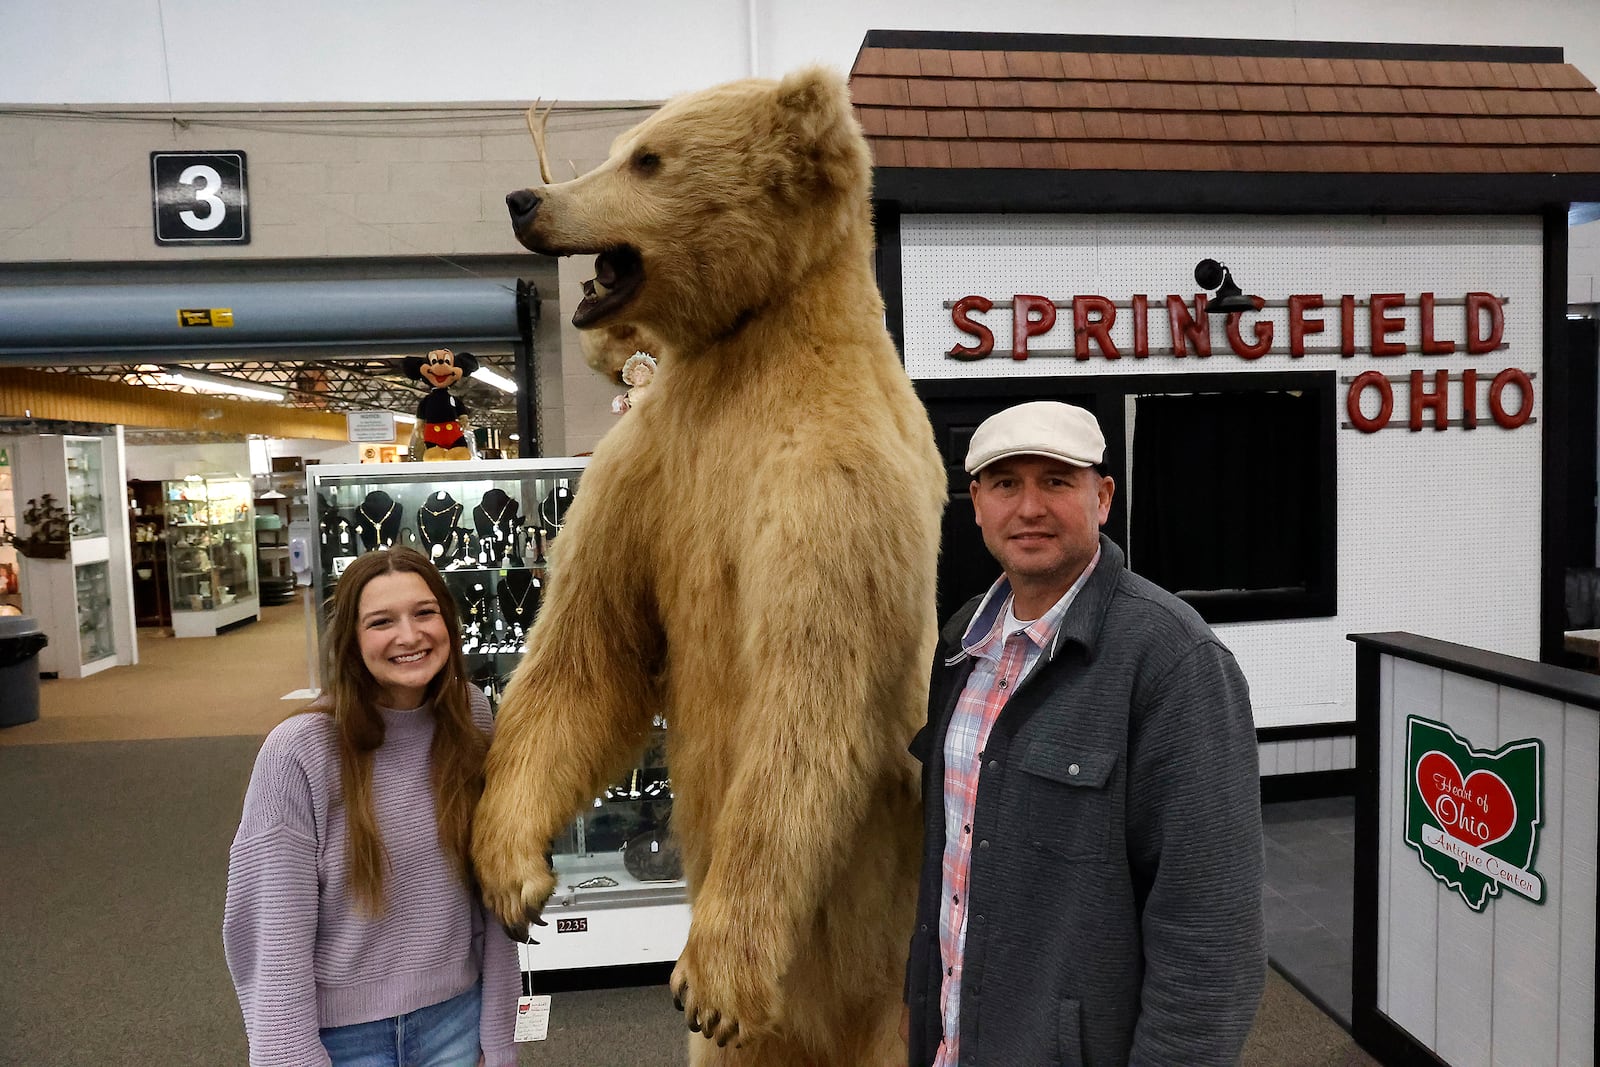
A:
[972,102]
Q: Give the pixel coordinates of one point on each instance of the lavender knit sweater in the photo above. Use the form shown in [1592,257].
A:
[303,956]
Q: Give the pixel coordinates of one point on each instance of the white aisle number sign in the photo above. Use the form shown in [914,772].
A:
[200,197]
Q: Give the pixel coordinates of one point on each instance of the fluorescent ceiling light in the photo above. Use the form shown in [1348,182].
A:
[202,382]
[496,379]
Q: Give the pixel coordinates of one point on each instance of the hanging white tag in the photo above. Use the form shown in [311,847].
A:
[533,1018]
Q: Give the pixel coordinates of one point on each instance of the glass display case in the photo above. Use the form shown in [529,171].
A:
[487,525]
[85,478]
[96,639]
[73,562]
[211,554]
[10,573]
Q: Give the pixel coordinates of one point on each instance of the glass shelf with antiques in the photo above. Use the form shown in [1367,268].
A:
[209,524]
[85,478]
[10,573]
[487,525]
[280,499]
[96,635]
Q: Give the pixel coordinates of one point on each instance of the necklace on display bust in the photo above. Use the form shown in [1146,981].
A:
[520,607]
[493,509]
[436,525]
[496,520]
[374,529]
[446,504]
[553,510]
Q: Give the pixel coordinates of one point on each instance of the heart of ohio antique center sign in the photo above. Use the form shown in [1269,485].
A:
[1473,816]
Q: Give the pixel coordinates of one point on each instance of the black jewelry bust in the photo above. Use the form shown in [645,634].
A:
[378,520]
[437,517]
[553,509]
[495,518]
[519,593]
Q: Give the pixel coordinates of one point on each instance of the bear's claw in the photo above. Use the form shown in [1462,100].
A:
[712,1026]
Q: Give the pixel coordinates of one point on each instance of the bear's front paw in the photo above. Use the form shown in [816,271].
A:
[514,887]
[726,991]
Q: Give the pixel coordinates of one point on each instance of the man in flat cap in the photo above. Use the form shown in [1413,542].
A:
[1092,857]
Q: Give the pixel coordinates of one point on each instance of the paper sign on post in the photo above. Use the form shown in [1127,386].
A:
[376,426]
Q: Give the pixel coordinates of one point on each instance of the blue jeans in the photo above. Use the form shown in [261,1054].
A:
[440,1035]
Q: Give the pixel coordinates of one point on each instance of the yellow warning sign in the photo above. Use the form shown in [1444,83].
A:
[205,316]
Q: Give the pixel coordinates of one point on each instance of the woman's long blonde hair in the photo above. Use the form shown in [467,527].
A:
[351,695]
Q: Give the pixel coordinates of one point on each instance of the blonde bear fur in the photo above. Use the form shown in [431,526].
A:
[751,553]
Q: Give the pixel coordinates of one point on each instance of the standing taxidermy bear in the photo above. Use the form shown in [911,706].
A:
[753,556]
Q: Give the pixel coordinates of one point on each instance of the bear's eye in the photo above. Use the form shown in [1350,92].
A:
[646,162]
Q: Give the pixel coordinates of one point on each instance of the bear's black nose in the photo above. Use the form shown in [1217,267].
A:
[523,204]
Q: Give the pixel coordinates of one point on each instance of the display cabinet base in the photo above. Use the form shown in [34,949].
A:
[96,666]
[210,623]
[607,937]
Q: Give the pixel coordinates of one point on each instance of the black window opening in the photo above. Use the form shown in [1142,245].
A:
[1232,496]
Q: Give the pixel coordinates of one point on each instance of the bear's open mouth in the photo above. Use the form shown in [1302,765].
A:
[618,274]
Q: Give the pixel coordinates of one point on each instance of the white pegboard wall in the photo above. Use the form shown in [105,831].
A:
[1439,530]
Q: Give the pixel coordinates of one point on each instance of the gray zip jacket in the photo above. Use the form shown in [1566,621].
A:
[1114,908]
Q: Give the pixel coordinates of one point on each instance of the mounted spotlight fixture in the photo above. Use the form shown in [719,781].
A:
[1210,274]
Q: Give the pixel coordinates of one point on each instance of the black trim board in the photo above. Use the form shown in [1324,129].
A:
[1017,190]
[1541,679]
[1311,785]
[972,41]
[1555,440]
[1309,732]
[887,265]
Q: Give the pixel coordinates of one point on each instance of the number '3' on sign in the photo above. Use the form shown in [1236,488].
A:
[200,197]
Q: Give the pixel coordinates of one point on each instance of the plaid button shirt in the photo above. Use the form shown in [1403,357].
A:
[1000,663]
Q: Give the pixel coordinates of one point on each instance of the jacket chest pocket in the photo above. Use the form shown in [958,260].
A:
[1068,799]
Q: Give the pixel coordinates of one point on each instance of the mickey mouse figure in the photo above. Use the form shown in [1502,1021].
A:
[441,433]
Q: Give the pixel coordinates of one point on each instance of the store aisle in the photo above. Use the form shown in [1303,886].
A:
[231,685]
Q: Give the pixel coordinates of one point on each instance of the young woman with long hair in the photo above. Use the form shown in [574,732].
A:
[353,929]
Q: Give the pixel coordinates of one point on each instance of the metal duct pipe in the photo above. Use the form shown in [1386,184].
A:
[45,324]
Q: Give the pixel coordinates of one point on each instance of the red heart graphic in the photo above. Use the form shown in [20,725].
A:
[1478,811]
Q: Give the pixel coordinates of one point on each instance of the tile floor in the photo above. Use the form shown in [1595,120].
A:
[1308,896]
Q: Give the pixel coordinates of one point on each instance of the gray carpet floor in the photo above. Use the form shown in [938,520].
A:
[113,864]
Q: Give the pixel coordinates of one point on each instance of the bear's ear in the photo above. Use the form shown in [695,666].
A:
[467,362]
[815,105]
[412,365]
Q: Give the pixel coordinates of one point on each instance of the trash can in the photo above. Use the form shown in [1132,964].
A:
[20,642]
